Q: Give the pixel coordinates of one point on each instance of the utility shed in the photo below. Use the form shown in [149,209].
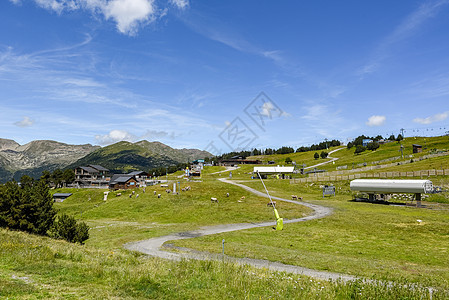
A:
[389,186]
[59,197]
[417,148]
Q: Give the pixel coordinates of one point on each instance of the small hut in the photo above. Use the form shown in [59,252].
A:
[417,148]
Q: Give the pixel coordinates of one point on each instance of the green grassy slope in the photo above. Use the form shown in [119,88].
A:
[122,219]
[143,155]
[359,238]
[40,268]
[179,155]
[400,244]
[348,158]
[125,156]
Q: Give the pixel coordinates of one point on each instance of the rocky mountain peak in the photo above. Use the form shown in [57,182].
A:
[6,144]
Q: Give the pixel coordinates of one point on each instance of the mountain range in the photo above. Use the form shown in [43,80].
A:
[34,157]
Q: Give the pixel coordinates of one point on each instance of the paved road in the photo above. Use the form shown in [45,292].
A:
[154,246]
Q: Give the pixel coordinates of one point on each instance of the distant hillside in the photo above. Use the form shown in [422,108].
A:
[179,155]
[124,157]
[143,155]
[32,158]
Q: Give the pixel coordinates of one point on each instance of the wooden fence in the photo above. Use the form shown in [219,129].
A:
[334,177]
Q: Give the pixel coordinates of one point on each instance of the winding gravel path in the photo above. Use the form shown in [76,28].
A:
[332,159]
[154,246]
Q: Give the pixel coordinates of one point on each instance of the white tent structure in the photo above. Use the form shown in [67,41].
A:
[273,170]
[264,171]
[389,186]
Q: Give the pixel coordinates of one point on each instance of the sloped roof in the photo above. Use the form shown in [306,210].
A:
[99,168]
[135,173]
[89,169]
[60,195]
[120,178]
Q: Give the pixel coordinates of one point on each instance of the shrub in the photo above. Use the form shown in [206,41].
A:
[373,146]
[288,160]
[66,228]
[316,155]
[359,149]
[324,154]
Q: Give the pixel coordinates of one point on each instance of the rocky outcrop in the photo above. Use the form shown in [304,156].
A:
[38,155]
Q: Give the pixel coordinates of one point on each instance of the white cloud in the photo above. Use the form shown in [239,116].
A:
[267,107]
[129,14]
[376,121]
[432,119]
[26,122]
[182,4]
[56,5]
[115,136]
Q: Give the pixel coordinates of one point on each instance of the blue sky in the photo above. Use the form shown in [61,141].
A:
[222,75]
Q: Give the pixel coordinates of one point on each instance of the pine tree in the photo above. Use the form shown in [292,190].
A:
[45,213]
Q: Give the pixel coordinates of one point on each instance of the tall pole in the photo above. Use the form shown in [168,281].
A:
[266,190]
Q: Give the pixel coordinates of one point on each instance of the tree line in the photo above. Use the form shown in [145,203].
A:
[58,178]
[162,171]
[28,207]
[282,150]
[373,145]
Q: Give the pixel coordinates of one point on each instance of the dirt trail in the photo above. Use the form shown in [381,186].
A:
[326,162]
[154,246]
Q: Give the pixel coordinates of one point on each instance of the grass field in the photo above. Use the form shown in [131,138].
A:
[388,150]
[34,267]
[122,219]
[359,238]
[405,247]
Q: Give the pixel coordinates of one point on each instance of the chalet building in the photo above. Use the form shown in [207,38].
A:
[239,161]
[123,182]
[92,176]
[140,176]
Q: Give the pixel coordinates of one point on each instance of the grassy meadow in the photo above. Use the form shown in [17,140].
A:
[406,248]
[40,268]
[123,219]
[346,157]
[362,239]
